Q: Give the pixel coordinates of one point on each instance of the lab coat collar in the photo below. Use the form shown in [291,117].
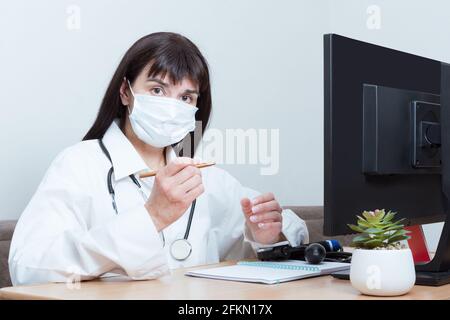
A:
[125,159]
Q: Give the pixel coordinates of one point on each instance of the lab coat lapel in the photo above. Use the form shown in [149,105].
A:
[126,160]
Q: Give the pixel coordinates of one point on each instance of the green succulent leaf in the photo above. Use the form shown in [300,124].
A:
[362,222]
[393,227]
[401,232]
[399,238]
[373,217]
[378,229]
[373,243]
[374,230]
[361,238]
[370,216]
[389,216]
[380,214]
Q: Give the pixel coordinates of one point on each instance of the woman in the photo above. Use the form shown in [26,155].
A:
[93,215]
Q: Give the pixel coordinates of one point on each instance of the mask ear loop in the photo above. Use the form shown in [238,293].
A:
[132,92]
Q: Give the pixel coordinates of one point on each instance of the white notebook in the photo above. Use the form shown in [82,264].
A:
[269,272]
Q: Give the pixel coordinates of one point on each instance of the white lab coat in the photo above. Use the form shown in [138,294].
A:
[69,230]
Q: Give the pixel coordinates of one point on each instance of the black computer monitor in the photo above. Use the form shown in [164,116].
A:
[382,136]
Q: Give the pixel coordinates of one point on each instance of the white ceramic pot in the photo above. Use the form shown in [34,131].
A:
[382,272]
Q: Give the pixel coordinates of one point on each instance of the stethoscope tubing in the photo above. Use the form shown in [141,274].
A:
[136,182]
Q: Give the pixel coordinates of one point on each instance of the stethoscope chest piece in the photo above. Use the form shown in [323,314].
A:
[180,249]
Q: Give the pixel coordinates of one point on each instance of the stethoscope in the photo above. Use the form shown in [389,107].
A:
[180,249]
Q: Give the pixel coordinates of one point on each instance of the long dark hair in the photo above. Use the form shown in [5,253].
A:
[171,54]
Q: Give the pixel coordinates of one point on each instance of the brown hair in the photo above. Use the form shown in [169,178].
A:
[169,53]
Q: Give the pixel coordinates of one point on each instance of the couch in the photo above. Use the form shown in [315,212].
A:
[6,232]
[313,216]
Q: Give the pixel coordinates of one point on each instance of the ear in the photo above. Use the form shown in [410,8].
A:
[125,94]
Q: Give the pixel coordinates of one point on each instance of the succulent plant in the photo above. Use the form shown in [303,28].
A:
[378,230]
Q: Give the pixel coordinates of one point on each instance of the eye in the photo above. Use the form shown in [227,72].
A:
[157,91]
[187,98]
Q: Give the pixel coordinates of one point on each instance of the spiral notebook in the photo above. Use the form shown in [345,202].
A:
[269,272]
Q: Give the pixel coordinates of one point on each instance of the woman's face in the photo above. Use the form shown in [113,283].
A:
[185,90]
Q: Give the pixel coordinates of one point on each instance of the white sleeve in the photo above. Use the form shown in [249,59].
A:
[52,242]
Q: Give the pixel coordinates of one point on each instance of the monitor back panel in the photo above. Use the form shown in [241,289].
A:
[348,65]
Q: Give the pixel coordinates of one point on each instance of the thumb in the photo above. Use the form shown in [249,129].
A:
[246,205]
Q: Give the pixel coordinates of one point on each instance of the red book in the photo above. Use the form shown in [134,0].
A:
[418,244]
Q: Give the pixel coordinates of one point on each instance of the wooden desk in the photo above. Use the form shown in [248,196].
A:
[178,286]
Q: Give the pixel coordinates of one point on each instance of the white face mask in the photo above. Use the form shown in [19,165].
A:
[161,121]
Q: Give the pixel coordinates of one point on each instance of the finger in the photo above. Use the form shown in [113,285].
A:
[190,184]
[272,205]
[176,165]
[185,174]
[263,198]
[195,193]
[270,225]
[273,216]
[246,205]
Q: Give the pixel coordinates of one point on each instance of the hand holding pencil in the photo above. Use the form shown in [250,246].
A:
[175,187]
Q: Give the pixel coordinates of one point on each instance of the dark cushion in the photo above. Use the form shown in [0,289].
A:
[313,216]
[6,232]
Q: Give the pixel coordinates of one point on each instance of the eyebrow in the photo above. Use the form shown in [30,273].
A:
[165,84]
[192,91]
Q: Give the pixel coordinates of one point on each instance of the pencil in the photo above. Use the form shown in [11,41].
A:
[154,172]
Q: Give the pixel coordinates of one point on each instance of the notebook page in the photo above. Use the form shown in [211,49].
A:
[323,268]
[268,271]
[252,274]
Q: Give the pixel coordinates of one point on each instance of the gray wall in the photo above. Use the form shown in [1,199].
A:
[266,65]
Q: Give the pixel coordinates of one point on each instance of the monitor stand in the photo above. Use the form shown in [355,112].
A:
[424,278]
[437,271]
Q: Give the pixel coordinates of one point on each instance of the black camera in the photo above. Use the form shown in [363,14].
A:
[314,253]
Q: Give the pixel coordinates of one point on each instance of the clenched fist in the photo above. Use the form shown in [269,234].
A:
[176,186]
